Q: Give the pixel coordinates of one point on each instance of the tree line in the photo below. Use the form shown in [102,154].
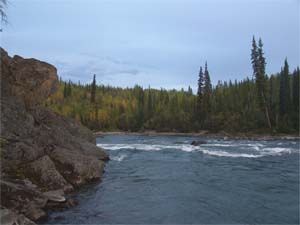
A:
[259,104]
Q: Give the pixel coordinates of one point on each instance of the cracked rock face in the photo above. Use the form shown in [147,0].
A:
[37,145]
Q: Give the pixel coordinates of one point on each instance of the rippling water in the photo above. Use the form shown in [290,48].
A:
[164,179]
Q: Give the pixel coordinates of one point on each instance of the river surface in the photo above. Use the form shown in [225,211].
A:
[165,180]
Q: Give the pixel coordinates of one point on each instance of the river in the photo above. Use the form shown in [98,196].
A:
[165,180]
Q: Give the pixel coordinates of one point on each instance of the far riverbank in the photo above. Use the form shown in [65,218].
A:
[205,134]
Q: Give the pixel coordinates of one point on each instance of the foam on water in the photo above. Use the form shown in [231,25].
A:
[118,158]
[276,151]
[248,151]
[228,154]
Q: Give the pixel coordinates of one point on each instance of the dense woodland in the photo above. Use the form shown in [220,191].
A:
[263,103]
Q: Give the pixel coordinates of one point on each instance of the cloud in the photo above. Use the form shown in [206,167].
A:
[157,43]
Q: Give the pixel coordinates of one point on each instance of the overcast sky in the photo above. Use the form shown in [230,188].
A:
[160,43]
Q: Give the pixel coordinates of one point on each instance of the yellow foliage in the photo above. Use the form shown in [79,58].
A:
[77,117]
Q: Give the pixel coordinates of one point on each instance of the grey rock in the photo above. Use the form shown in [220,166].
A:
[77,168]
[9,217]
[41,151]
[45,174]
[35,213]
[55,196]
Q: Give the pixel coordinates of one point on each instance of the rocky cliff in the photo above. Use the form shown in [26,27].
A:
[43,155]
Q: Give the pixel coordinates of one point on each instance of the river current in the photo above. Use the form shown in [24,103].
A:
[166,180]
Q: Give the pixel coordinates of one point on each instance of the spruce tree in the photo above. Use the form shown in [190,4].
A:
[65,90]
[207,92]
[149,105]
[284,94]
[261,75]
[254,57]
[296,88]
[200,95]
[69,89]
[259,65]
[296,96]
[93,90]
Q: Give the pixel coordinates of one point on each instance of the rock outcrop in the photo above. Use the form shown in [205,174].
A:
[41,151]
[197,143]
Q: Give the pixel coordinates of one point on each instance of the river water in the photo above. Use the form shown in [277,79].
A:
[165,180]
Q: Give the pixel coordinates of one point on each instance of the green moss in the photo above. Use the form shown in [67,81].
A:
[3,142]
[15,172]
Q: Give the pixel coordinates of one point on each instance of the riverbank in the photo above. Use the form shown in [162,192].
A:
[206,134]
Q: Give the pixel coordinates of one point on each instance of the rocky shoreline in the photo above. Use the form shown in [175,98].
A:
[44,155]
[205,134]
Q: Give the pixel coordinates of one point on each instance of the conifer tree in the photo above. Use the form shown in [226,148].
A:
[93,90]
[207,92]
[284,94]
[200,95]
[149,103]
[65,90]
[69,89]
[296,88]
[259,65]
[254,57]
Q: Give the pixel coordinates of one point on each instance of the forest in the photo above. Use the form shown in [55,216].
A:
[259,104]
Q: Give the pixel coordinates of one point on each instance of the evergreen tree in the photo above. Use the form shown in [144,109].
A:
[258,65]
[200,95]
[149,105]
[190,90]
[93,90]
[284,94]
[69,89]
[254,57]
[65,90]
[296,97]
[139,93]
[207,92]
[296,88]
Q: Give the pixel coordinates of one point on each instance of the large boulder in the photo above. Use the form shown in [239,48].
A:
[41,152]
[17,196]
[44,173]
[10,217]
[30,79]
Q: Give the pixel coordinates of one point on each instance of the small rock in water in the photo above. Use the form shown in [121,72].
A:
[196,143]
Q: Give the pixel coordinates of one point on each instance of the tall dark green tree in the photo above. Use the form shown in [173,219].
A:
[69,89]
[259,67]
[65,90]
[200,95]
[296,98]
[207,92]
[284,93]
[296,88]
[149,103]
[93,90]
[254,57]
[139,93]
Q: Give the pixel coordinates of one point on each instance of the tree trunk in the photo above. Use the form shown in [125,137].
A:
[268,117]
[267,111]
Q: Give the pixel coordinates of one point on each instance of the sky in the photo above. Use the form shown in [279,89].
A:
[161,43]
